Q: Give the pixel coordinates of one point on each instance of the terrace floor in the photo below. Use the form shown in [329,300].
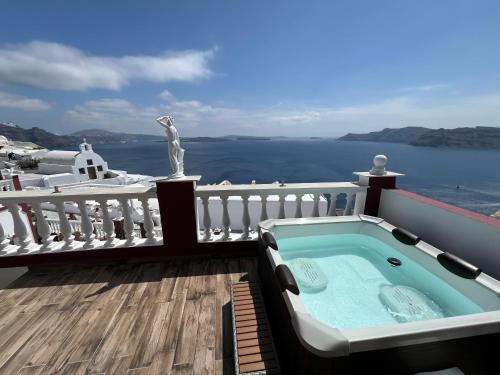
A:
[169,317]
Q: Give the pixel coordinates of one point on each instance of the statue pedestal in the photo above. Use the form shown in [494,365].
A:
[178,211]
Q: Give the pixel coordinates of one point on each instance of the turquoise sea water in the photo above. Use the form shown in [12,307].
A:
[431,172]
[358,273]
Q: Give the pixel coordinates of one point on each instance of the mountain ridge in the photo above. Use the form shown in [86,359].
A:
[479,137]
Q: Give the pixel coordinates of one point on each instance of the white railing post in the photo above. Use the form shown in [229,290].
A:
[148,222]
[65,226]
[20,229]
[4,241]
[42,227]
[263,211]
[245,219]
[281,213]
[207,221]
[333,205]
[315,210]
[226,220]
[107,224]
[298,209]
[86,225]
[348,204]
[128,224]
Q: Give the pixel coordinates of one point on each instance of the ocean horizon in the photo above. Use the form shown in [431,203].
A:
[433,172]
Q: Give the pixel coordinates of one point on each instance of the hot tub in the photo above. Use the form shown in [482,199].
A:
[354,294]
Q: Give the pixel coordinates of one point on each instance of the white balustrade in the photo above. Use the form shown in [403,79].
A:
[107,224]
[245,218]
[65,225]
[226,220]
[148,222]
[4,241]
[21,228]
[207,221]
[42,227]
[86,225]
[80,231]
[221,204]
[7,185]
[332,209]
[128,221]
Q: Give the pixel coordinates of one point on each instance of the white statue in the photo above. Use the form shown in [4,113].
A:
[175,152]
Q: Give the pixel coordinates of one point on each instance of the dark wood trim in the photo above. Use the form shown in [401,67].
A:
[375,186]
[140,253]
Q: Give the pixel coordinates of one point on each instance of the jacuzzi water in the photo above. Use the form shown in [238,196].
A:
[363,289]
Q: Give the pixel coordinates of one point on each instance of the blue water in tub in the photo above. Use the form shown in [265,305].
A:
[362,288]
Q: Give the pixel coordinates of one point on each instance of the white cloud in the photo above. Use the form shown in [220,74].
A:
[21,102]
[196,118]
[58,66]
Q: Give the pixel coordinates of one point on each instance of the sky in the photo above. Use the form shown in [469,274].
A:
[292,68]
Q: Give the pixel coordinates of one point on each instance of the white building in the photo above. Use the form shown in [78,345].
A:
[84,164]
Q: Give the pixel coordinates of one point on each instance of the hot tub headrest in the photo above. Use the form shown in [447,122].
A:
[269,240]
[286,279]
[404,236]
[458,266]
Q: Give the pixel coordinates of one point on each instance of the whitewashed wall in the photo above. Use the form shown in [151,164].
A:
[473,240]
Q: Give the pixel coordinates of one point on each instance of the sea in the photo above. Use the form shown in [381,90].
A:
[466,178]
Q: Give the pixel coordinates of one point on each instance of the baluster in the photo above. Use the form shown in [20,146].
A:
[4,241]
[128,222]
[226,220]
[65,226]
[20,228]
[315,210]
[245,219]
[263,211]
[148,222]
[86,226]
[207,220]
[281,213]
[107,224]
[42,227]
[333,204]
[298,209]
[348,204]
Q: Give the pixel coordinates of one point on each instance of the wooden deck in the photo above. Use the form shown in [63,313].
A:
[170,317]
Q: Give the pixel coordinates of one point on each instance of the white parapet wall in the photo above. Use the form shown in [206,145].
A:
[469,235]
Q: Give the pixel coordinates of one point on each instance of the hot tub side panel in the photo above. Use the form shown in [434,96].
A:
[474,355]
[294,358]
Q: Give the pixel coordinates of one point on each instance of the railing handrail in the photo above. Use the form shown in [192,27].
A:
[30,196]
[277,189]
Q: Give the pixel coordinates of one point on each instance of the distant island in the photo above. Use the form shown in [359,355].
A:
[97,136]
[480,137]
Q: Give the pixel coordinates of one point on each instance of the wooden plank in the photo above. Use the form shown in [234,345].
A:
[250,322]
[75,368]
[143,355]
[258,366]
[204,359]
[186,344]
[254,328]
[255,349]
[256,357]
[31,370]
[23,332]
[242,318]
[252,335]
[254,342]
